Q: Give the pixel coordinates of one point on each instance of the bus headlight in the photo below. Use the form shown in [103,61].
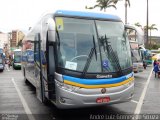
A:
[67,87]
[129,83]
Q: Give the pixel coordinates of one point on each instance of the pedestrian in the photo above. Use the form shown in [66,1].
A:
[3,58]
[9,61]
[154,63]
[157,69]
[144,64]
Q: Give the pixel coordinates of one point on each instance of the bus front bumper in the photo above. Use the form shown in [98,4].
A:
[66,99]
[17,65]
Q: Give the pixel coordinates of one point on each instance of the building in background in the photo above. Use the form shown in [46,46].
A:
[13,39]
[16,37]
[10,41]
[4,43]
[3,39]
[154,42]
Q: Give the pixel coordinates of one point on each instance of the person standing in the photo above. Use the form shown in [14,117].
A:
[3,58]
[9,61]
[157,69]
[154,63]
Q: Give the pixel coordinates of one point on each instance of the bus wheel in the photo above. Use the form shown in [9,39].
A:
[24,75]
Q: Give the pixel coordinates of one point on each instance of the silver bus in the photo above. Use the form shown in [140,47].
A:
[78,59]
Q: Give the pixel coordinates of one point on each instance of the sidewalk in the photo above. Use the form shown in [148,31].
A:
[151,103]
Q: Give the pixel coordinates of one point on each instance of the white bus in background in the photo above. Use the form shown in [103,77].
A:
[136,57]
[136,39]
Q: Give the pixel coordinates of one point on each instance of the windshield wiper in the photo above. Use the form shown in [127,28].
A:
[112,54]
[93,50]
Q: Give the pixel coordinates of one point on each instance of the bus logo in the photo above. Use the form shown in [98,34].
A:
[103,91]
[104,76]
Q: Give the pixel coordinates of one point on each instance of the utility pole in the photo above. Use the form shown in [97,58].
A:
[125,11]
[147,26]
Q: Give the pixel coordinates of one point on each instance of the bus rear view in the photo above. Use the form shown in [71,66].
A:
[91,59]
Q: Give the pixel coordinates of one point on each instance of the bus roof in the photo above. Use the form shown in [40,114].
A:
[86,14]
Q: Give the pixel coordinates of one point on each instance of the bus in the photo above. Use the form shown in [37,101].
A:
[147,56]
[1,64]
[136,43]
[16,62]
[78,59]
[136,57]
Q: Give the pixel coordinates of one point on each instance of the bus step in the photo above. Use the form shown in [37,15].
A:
[53,98]
[49,83]
[48,90]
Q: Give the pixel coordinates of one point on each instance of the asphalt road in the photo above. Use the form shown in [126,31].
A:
[18,100]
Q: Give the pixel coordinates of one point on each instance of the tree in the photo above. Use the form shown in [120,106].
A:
[104,4]
[127,3]
[150,28]
[138,24]
[19,43]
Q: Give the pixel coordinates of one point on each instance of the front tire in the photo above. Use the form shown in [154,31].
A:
[24,75]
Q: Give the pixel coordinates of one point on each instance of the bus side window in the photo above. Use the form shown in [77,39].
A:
[43,57]
[24,56]
[30,56]
[39,55]
[36,49]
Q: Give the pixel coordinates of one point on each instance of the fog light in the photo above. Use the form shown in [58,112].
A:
[62,100]
[129,84]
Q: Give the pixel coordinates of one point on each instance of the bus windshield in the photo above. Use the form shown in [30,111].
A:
[17,59]
[17,56]
[136,56]
[76,39]
[17,53]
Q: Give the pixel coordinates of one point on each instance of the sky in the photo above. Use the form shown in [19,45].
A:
[22,14]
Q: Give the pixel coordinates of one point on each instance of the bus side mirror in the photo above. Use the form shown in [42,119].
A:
[51,30]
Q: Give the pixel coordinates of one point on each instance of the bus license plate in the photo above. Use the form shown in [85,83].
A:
[103,99]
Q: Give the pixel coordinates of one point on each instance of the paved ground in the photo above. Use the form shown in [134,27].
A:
[19,98]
